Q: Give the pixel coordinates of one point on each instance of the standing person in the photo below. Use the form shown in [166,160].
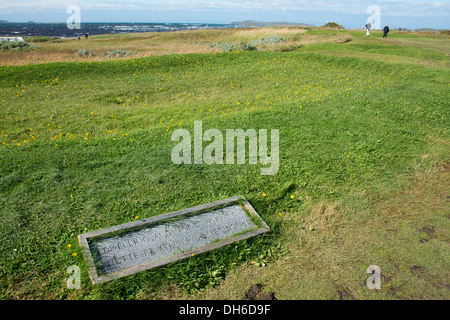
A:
[368,25]
[78,36]
[386,31]
[86,35]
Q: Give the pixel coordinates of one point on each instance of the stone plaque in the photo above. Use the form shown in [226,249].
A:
[136,246]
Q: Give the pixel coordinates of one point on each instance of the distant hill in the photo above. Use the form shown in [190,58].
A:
[4,21]
[430,30]
[252,23]
[333,25]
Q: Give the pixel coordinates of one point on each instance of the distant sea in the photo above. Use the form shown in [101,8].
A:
[60,29]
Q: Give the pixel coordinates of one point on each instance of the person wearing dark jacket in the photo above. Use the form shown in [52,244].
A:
[386,31]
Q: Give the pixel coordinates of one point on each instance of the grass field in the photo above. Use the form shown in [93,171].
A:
[364,160]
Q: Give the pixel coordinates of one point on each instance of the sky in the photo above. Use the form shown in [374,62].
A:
[411,14]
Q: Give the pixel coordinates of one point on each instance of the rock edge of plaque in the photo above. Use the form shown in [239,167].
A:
[87,238]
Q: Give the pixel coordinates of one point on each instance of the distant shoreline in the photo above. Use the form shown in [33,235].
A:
[29,29]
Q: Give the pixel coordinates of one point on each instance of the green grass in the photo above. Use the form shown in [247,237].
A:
[430,50]
[87,145]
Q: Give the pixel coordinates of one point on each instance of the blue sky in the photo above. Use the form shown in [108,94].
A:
[349,13]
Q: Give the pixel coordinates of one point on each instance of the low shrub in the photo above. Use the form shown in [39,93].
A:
[13,45]
[83,53]
[119,53]
[267,40]
[224,47]
[246,46]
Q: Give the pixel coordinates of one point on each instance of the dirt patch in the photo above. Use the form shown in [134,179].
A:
[254,293]
[441,284]
[417,270]
[393,291]
[267,296]
[345,294]
[429,233]
[429,230]
[386,279]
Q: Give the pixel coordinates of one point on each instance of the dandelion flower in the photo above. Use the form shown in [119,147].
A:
[264,194]
[69,245]
[74,254]
[292,196]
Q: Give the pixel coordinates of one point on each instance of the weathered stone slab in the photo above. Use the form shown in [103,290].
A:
[136,246]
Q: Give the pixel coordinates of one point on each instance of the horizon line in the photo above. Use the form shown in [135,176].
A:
[299,24]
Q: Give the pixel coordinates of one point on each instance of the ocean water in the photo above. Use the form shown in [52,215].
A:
[61,29]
